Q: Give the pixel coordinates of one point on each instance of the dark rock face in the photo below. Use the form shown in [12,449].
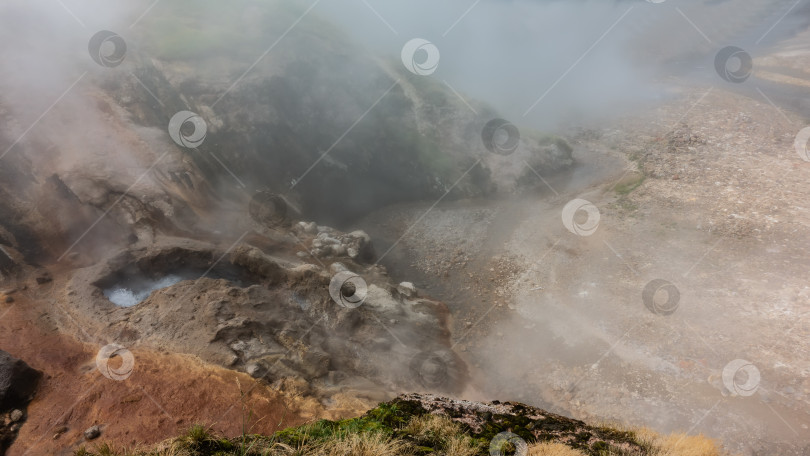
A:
[6,263]
[18,382]
[336,131]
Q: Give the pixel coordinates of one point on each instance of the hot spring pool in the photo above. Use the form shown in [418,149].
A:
[127,295]
[132,285]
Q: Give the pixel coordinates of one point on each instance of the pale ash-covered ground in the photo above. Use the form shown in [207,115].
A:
[556,319]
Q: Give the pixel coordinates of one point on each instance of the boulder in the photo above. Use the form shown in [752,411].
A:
[407,289]
[93,432]
[44,278]
[16,415]
[18,382]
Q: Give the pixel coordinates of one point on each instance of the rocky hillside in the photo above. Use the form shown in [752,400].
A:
[214,225]
[320,120]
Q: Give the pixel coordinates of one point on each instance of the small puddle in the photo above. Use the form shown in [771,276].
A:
[129,294]
[130,289]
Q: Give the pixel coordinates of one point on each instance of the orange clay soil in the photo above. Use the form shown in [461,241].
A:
[164,396]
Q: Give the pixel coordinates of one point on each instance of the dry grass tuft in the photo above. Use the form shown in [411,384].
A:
[677,444]
[432,427]
[460,445]
[369,444]
[553,449]
[439,431]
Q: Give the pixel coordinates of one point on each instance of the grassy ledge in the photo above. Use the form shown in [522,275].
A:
[428,425]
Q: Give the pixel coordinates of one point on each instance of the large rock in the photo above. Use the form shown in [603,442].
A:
[18,382]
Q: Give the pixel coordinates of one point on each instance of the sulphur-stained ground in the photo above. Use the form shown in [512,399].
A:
[705,200]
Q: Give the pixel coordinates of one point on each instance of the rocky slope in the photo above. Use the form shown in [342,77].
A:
[112,194]
[266,124]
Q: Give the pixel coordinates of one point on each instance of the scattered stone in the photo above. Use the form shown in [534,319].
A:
[93,432]
[307,227]
[44,278]
[339,250]
[327,240]
[360,234]
[336,267]
[407,289]
[9,299]
[16,415]
[254,370]
[330,242]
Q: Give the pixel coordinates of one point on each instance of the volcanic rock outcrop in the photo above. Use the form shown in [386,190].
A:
[18,382]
